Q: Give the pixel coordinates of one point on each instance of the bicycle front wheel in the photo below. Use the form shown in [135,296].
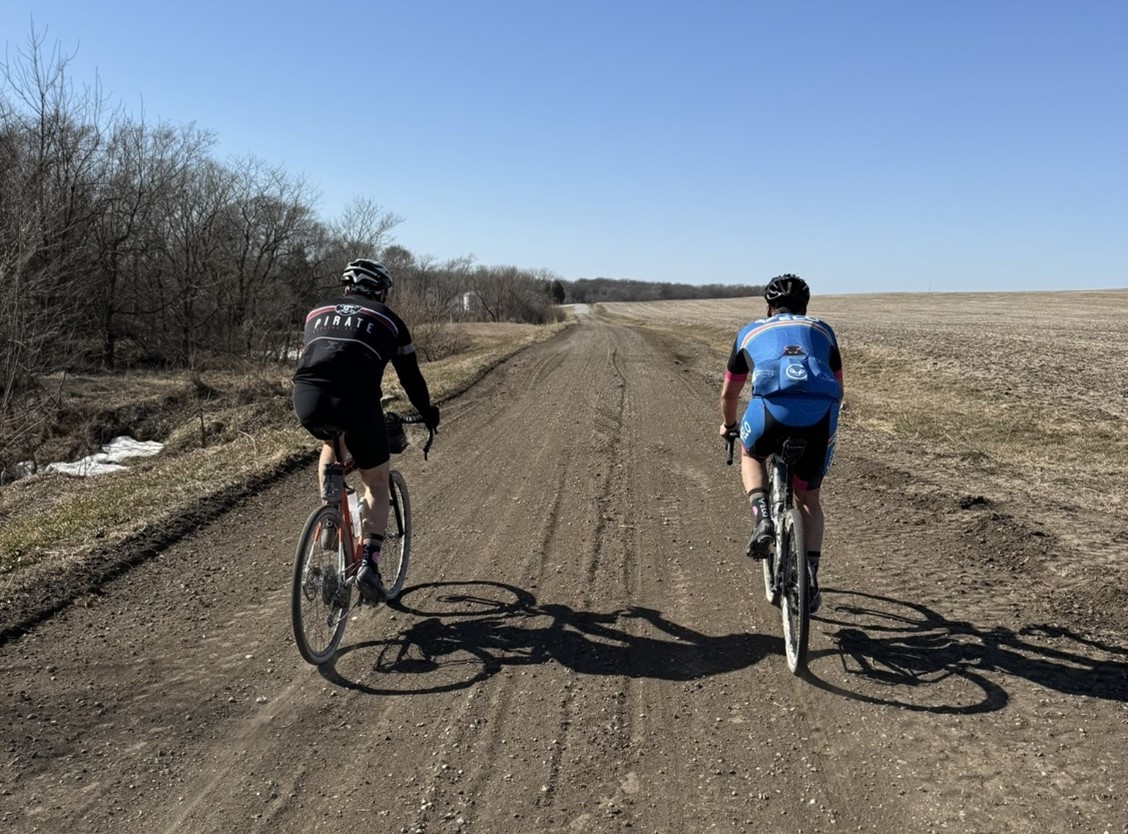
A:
[768,565]
[396,552]
[321,597]
[793,591]
[771,560]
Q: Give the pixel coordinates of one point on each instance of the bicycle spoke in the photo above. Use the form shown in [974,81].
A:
[321,596]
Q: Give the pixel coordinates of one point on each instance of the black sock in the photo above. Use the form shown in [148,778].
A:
[372,544]
[758,501]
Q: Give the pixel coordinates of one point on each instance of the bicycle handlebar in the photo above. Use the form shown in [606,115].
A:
[730,446]
[416,419]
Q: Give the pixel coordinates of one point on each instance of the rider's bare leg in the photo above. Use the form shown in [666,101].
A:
[375,499]
[752,472]
[327,457]
[810,506]
[755,480]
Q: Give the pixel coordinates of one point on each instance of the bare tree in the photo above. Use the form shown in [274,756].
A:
[50,144]
[428,296]
[187,285]
[364,229]
[113,232]
[507,293]
[268,221]
[142,167]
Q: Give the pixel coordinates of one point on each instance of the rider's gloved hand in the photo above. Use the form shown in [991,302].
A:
[431,417]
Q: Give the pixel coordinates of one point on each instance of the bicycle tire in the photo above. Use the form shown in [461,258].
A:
[768,565]
[770,562]
[395,555]
[321,597]
[793,592]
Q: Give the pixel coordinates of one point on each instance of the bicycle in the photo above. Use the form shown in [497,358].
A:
[331,545]
[785,565]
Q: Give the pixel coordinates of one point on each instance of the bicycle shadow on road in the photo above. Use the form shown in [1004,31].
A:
[906,655]
[464,632]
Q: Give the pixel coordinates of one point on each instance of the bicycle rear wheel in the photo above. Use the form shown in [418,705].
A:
[321,597]
[396,552]
[793,591]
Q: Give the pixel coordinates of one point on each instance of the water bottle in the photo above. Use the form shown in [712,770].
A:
[354,512]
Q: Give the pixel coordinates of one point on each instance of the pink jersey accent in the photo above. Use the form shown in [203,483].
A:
[388,324]
[731,377]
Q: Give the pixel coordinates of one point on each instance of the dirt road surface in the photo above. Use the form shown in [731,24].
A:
[582,648]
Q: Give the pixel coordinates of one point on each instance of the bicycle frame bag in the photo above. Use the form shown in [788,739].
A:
[397,437]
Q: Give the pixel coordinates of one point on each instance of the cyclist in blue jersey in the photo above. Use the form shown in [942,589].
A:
[796,371]
[348,342]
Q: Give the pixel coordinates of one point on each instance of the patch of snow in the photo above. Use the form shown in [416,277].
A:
[109,459]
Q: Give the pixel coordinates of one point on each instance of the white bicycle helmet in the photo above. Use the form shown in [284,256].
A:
[367,277]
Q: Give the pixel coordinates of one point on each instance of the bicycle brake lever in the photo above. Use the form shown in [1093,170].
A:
[730,445]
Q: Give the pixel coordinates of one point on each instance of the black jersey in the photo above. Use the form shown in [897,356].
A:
[349,341]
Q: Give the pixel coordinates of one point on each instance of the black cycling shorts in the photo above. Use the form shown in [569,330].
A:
[324,414]
[812,467]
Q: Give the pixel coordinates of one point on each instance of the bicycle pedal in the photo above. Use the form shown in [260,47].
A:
[758,549]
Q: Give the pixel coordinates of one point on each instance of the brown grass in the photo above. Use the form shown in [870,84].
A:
[221,427]
[1025,380]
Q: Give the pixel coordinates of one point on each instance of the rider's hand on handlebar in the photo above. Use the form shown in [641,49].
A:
[729,433]
[431,417]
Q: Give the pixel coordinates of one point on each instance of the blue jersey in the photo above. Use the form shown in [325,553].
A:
[795,365]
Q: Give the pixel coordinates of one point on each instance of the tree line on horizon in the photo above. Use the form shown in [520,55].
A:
[595,290]
[126,244]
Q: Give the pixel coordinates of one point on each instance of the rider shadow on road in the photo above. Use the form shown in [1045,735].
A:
[904,654]
[463,632]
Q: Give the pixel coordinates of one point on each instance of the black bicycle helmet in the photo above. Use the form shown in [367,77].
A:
[367,277]
[787,292]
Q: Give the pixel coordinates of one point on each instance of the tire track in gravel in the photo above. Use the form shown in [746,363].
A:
[696,747]
[574,491]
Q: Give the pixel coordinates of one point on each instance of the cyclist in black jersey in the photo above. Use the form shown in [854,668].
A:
[348,342]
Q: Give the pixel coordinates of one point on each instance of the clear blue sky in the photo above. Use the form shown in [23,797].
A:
[869,145]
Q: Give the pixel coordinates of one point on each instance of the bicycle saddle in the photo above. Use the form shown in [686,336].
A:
[793,449]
